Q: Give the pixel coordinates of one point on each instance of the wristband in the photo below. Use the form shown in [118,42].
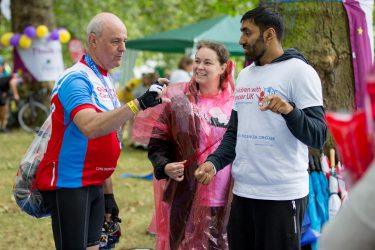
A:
[133,107]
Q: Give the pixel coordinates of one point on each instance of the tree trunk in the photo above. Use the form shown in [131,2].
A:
[32,12]
[320,31]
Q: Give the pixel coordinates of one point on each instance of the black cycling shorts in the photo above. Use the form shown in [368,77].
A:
[77,216]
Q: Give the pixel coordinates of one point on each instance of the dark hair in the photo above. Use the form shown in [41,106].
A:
[222,54]
[185,61]
[266,18]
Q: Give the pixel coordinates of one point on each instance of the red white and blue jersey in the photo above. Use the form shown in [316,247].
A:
[72,160]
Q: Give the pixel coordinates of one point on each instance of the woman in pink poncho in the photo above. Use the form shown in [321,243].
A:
[190,215]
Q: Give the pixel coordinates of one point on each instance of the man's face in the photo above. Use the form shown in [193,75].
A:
[110,45]
[252,41]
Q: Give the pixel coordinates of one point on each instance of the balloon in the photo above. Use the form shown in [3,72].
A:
[5,39]
[41,31]
[15,39]
[64,36]
[30,31]
[25,42]
[54,35]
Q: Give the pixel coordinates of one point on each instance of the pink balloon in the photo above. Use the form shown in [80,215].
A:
[14,40]
[30,31]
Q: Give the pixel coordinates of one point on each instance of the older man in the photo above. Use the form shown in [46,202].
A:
[85,143]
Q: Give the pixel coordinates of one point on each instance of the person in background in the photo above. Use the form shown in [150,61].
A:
[188,215]
[183,73]
[133,89]
[8,83]
[144,84]
[277,114]
[353,227]
[74,176]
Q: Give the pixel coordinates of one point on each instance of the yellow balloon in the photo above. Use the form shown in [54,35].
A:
[25,42]
[5,39]
[64,36]
[41,31]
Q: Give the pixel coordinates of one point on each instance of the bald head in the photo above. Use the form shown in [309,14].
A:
[106,37]
[100,21]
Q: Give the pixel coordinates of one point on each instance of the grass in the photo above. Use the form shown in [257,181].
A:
[19,231]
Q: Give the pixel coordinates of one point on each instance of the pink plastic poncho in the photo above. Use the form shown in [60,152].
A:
[189,215]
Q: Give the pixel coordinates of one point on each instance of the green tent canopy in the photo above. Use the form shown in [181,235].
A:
[224,29]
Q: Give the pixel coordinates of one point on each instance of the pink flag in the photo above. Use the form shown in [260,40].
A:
[361,39]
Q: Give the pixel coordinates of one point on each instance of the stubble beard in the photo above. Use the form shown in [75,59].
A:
[252,54]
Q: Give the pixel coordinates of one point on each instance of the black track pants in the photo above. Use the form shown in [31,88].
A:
[265,224]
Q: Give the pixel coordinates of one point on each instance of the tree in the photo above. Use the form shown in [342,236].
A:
[35,12]
[320,31]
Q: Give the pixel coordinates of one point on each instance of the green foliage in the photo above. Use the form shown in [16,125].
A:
[144,17]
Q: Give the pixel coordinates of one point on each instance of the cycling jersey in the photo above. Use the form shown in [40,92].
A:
[72,160]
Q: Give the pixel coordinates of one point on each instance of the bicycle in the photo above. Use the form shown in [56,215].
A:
[33,113]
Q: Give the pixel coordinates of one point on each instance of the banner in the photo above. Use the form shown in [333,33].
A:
[76,50]
[359,14]
[43,59]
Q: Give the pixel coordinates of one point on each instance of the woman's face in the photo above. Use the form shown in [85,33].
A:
[207,68]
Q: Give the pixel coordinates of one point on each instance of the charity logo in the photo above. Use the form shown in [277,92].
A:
[218,117]
[267,91]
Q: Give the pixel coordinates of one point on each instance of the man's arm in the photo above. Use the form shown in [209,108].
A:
[95,124]
[223,155]
[308,125]
[226,152]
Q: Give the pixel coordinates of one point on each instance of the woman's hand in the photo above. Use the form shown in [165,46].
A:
[175,170]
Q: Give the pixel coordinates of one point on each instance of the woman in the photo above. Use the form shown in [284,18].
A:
[190,215]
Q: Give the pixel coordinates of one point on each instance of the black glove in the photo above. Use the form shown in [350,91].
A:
[148,99]
[110,206]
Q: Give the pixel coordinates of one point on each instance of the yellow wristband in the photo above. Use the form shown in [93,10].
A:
[133,107]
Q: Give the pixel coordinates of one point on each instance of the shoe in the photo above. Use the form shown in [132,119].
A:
[138,145]
[3,130]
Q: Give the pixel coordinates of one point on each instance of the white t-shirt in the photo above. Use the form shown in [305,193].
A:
[270,163]
[179,75]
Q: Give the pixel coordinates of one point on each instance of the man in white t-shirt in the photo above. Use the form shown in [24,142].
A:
[278,112]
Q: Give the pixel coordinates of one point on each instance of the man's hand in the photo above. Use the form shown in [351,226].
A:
[110,206]
[205,172]
[276,104]
[152,97]
[175,170]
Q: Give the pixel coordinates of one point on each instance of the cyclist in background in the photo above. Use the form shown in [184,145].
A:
[8,83]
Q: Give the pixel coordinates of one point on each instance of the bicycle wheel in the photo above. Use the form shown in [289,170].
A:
[32,121]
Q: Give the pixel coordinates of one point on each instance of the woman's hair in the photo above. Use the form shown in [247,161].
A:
[184,62]
[221,52]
